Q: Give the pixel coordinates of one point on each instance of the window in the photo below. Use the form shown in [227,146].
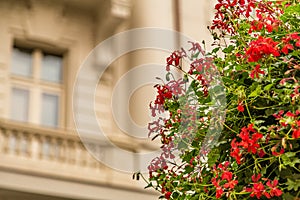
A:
[36,87]
[19,104]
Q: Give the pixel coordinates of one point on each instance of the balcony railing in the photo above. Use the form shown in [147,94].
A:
[54,153]
[31,143]
[60,154]
[31,151]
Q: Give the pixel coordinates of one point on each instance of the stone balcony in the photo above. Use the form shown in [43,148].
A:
[31,155]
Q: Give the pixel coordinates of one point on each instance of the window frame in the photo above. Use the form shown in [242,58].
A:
[37,87]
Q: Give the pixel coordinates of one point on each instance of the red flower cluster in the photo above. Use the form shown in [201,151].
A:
[296,94]
[275,152]
[175,58]
[263,46]
[168,195]
[203,69]
[289,119]
[256,71]
[228,11]
[156,164]
[176,86]
[195,49]
[249,137]
[266,18]
[296,133]
[240,107]
[260,190]
[290,41]
[223,174]
[164,92]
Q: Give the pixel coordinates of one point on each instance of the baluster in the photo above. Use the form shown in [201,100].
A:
[35,147]
[6,136]
[94,155]
[2,140]
[71,155]
[78,152]
[53,152]
[23,144]
[62,150]
[98,152]
[12,140]
[99,166]
[45,147]
[99,156]
[89,158]
[41,150]
[84,157]
[29,137]
[18,138]
[67,151]
[50,149]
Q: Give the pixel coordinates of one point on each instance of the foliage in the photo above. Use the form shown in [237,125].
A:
[230,127]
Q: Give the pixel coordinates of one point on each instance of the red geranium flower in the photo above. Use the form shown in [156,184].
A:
[286,48]
[226,175]
[296,133]
[255,178]
[240,108]
[256,71]
[257,190]
[231,184]
[219,192]
[274,190]
[168,195]
[261,47]
[275,153]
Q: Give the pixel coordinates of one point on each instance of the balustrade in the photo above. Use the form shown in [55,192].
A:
[38,144]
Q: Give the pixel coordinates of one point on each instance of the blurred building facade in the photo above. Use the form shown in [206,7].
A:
[43,44]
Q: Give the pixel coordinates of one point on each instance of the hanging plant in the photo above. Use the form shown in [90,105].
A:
[230,126]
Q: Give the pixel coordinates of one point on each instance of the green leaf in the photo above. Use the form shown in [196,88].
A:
[287,196]
[289,159]
[228,49]
[212,158]
[293,185]
[196,55]
[268,87]
[215,50]
[238,67]
[188,169]
[168,76]
[256,92]
[175,195]
[290,154]
[290,13]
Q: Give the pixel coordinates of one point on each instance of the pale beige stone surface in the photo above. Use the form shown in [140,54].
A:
[40,163]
